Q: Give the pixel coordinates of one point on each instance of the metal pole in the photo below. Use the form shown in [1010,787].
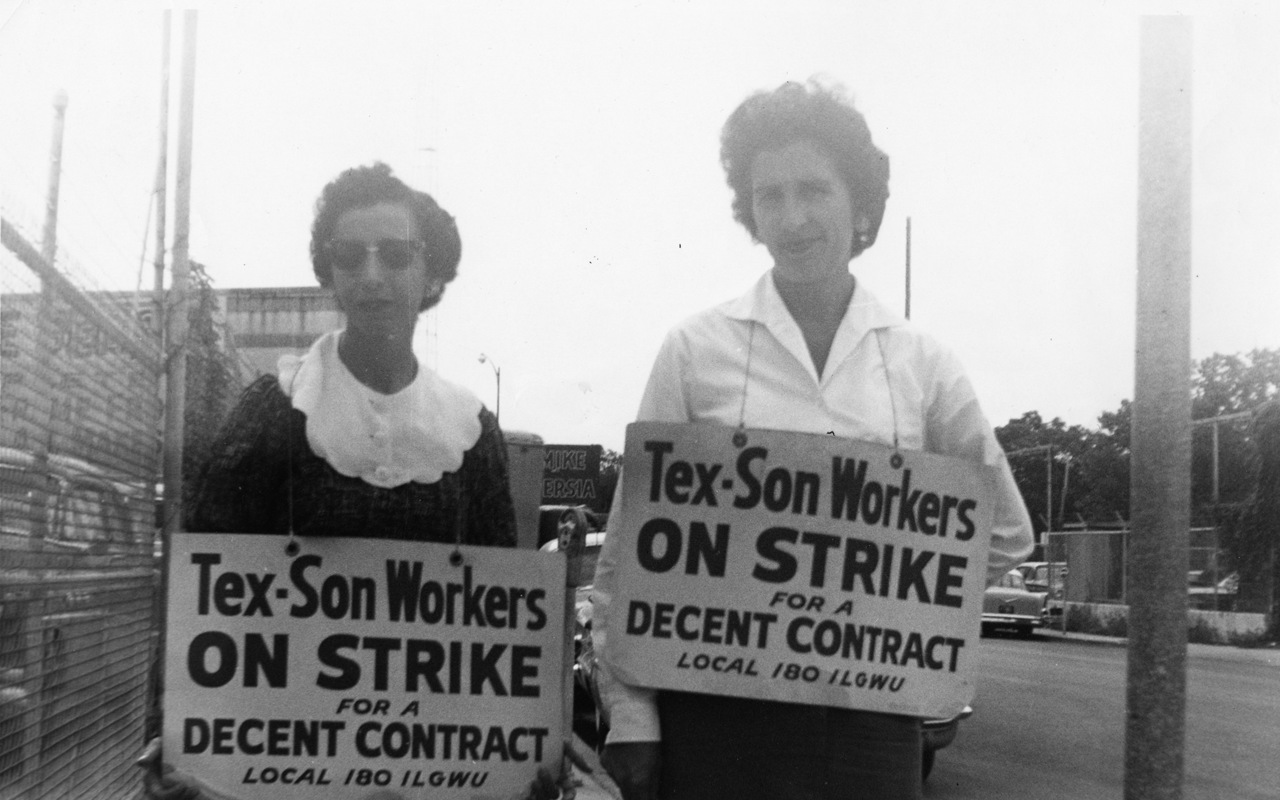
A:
[162,172]
[176,350]
[1048,450]
[572,532]
[155,708]
[908,306]
[1066,576]
[1155,729]
[1215,422]
[1215,462]
[1048,489]
[1066,483]
[49,243]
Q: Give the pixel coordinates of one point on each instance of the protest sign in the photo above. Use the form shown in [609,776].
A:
[362,667]
[799,567]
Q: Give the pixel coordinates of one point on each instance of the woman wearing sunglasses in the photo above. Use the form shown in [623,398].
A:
[357,437]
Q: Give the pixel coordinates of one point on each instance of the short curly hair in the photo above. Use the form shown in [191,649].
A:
[364,186]
[769,120]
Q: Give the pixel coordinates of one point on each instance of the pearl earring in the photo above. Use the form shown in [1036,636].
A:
[863,228]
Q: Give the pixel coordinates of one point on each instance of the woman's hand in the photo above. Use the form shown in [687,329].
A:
[547,787]
[635,767]
[161,782]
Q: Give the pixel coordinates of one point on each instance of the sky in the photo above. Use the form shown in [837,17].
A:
[577,145]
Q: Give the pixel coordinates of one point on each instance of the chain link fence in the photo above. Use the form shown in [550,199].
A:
[1090,566]
[79,460]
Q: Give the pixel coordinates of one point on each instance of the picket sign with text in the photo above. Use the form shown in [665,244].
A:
[362,667]
[799,567]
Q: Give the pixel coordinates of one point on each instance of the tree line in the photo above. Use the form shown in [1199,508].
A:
[1073,476]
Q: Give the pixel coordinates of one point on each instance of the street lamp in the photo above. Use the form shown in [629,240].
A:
[497,376]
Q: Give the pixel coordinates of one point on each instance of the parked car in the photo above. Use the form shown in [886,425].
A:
[591,722]
[1050,578]
[61,504]
[1207,594]
[77,584]
[1008,604]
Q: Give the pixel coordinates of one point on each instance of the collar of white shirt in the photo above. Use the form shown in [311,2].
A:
[764,305]
[417,434]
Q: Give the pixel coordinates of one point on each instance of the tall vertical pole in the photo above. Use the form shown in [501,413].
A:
[45,317]
[49,244]
[1160,468]
[1066,484]
[176,341]
[172,506]
[1215,463]
[1048,488]
[162,170]
[908,303]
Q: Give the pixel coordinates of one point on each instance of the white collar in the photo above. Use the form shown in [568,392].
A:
[764,305]
[416,434]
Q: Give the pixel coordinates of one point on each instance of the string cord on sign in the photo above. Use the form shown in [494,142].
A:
[896,459]
[740,436]
[456,558]
[291,547]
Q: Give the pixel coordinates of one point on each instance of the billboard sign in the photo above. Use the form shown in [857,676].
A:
[571,474]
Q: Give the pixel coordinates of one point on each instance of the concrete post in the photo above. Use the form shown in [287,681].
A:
[1161,439]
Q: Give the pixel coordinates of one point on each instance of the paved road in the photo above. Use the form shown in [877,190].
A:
[1050,724]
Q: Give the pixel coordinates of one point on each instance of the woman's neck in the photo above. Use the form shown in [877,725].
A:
[816,302]
[818,307]
[384,364]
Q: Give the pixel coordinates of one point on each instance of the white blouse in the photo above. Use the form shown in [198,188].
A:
[416,434]
[885,381]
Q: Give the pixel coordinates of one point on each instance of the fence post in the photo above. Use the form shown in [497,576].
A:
[572,529]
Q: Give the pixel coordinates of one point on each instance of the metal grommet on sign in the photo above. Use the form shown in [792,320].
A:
[455,558]
[292,548]
[895,460]
[740,437]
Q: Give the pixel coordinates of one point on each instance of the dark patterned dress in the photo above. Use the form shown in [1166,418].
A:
[264,474]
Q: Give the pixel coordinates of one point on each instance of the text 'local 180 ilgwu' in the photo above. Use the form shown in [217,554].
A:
[362,668]
[799,567]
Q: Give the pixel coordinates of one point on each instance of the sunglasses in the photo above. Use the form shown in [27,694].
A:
[348,255]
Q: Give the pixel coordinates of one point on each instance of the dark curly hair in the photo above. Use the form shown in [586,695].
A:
[361,187]
[816,113]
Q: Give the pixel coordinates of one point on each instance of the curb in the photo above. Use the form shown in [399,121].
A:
[1083,638]
[1269,655]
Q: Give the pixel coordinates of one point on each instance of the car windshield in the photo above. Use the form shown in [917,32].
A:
[1042,572]
[19,491]
[1012,580]
[93,513]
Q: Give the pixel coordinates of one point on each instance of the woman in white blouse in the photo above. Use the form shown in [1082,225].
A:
[807,348]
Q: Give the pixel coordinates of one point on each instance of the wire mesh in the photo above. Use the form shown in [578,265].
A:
[79,454]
